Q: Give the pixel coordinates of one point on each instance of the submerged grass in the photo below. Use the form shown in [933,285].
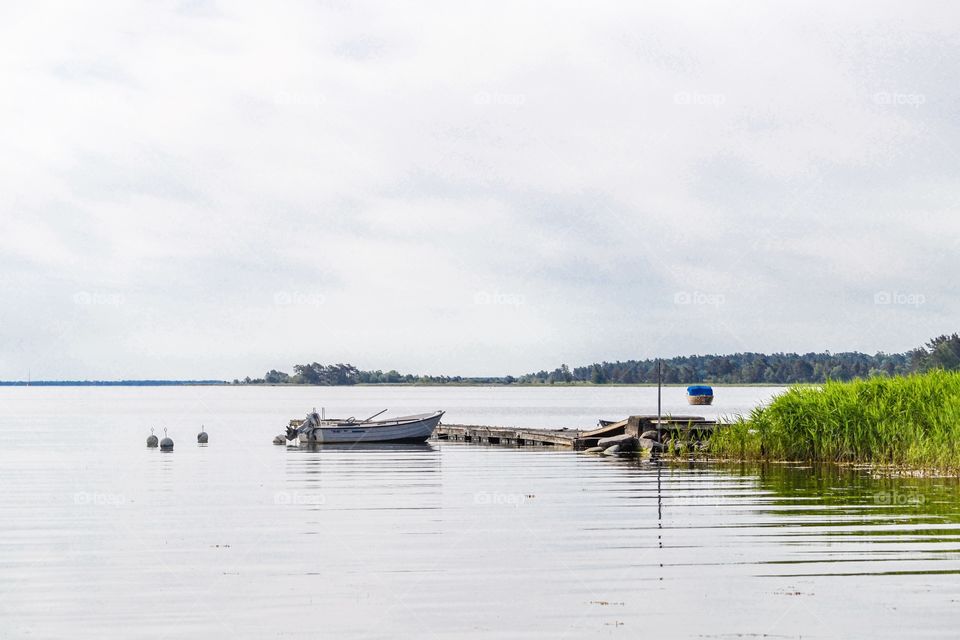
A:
[909,421]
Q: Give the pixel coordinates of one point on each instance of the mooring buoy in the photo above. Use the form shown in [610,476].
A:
[152,440]
[202,436]
[166,444]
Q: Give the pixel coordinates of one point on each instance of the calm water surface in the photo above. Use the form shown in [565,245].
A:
[103,538]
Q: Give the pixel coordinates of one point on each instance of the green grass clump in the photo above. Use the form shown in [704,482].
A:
[911,421]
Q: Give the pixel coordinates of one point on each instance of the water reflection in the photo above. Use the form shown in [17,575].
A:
[822,520]
[382,447]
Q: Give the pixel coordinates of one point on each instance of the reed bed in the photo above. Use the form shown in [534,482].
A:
[908,421]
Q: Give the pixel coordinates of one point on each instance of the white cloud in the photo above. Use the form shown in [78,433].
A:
[381,166]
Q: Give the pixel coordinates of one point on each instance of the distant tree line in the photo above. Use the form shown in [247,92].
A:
[943,352]
[347,374]
[738,368]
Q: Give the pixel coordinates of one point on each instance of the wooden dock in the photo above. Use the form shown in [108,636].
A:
[697,426]
[507,436]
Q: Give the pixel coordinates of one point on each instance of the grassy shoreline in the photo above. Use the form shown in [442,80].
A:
[910,421]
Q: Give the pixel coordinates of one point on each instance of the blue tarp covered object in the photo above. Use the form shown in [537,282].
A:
[699,390]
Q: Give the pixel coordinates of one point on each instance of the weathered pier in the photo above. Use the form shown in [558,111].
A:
[637,427]
[507,436]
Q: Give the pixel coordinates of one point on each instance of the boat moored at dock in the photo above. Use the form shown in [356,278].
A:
[405,429]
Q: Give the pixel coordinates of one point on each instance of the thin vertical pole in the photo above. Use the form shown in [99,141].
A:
[659,388]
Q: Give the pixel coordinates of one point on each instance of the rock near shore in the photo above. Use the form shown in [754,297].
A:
[624,441]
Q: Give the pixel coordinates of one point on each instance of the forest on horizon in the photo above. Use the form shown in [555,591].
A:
[738,368]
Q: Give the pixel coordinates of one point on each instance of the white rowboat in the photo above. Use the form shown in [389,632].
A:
[316,430]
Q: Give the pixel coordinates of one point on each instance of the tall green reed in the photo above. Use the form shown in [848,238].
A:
[910,420]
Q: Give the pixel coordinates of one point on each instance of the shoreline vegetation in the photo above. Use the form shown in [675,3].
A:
[908,421]
[740,369]
[733,369]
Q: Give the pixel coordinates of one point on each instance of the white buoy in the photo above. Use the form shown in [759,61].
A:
[152,440]
[166,444]
[202,436]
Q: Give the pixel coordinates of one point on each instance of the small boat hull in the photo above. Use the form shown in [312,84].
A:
[407,430]
[701,400]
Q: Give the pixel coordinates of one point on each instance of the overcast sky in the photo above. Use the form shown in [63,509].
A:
[204,189]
